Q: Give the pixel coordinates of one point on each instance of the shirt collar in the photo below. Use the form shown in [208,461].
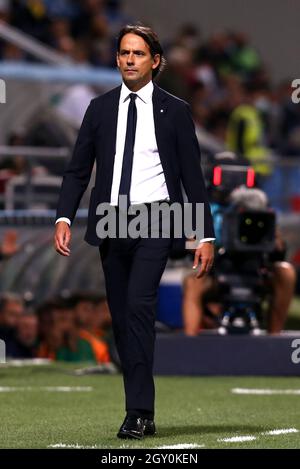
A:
[145,93]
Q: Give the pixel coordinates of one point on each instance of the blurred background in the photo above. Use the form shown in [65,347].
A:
[234,63]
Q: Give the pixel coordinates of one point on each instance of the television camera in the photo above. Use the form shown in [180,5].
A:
[245,236]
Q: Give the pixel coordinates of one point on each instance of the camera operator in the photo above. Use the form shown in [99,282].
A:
[202,305]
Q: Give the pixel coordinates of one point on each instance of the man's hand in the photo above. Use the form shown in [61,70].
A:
[62,238]
[204,254]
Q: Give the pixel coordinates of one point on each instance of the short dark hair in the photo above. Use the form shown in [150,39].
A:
[150,37]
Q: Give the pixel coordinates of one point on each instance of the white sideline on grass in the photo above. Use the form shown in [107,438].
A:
[75,446]
[46,388]
[275,432]
[180,446]
[281,432]
[236,439]
[261,392]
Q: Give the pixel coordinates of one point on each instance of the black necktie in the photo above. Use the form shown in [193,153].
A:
[128,149]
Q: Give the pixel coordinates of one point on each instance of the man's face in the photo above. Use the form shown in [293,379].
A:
[27,330]
[12,312]
[84,312]
[136,62]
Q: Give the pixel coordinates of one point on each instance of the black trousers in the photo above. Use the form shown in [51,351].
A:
[132,270]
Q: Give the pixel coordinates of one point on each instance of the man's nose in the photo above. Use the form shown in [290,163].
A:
[130,59]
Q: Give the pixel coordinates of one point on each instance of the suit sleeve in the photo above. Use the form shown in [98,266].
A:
[77,175]
[190,165]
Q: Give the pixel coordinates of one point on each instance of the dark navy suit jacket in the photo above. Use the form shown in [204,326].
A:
[177,146]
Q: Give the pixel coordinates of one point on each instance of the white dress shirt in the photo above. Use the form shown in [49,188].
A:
[148,182]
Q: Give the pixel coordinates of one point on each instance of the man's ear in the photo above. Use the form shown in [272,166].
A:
[156,61]
[118,60]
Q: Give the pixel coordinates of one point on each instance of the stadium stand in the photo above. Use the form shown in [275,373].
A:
[56,58]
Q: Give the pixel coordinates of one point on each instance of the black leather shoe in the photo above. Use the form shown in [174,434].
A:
[149,427]
[132,427]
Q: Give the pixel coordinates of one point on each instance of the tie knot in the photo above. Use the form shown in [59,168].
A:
[132,97]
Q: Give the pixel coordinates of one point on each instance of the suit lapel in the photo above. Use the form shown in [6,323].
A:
[159,107]
[160,120]
[111,123]
[111,120]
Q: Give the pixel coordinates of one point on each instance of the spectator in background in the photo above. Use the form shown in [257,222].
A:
[102,326]
[88,10]
[210,134]
[62,339]
[15,164]
[189,37]
[73,103]
[244,58]
[9,244]
[201,298]
[62,8]
[5,10]
[215,52]
[11,304]
[101,320]
[31,17]
[13,53]
[83,307]
[11,310]
[93,319]
[246,131]
[60,35]
[26,337]
[179,77]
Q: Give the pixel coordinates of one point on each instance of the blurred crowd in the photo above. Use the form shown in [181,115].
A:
[228,84]
[83,30]
[235,104]
[221,74]
[73,329]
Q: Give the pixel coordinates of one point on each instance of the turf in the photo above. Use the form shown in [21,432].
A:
[190,410]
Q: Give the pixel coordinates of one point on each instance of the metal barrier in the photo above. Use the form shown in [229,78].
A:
[36,271]
[31,87]
[31,45]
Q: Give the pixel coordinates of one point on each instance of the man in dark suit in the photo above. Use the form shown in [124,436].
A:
[144,144]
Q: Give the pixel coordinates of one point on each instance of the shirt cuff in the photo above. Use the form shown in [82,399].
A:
[194,244]
[67,220]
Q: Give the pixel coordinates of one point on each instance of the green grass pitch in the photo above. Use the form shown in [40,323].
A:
[200,411]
